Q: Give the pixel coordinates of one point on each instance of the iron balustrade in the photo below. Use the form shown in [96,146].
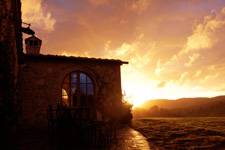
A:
[80,124]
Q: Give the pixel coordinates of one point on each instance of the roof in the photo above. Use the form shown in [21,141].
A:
[33,37]
[61,58]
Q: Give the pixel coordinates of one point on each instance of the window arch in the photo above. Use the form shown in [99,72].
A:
[77,90]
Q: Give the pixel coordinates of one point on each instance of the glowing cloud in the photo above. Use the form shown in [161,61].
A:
[205,34]
[35,13]
[192,58]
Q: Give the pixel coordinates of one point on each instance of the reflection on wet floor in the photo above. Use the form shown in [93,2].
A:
[130,139]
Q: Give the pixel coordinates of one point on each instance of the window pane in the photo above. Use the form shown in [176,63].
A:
[74,77]
[83,78]
[64,93]
[83,89]
[35,43]
[90,90]
[31,42]
[73,90]
[65,100]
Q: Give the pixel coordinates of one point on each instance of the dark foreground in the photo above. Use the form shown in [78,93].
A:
[126,139]
[197,133]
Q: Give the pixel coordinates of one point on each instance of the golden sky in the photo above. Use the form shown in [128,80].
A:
[175,48]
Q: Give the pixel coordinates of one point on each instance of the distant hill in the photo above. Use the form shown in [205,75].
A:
[184,107]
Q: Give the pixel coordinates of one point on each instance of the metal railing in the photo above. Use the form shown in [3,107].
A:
[80,125]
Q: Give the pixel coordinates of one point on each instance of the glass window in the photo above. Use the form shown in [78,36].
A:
[65,101]
[73,89]
[74,77]
[90,89]
[83,78]
[31,42]
[83,89]
[35,43]
[79,89]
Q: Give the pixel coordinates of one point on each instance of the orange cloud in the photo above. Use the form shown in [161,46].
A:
[205,34]
[33,12]
[192,59]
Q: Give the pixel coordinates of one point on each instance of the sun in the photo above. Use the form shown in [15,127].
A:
[141,92]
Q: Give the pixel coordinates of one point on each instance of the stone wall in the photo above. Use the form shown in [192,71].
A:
[10,48]
[41,83]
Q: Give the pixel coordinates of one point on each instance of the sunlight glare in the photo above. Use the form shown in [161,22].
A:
[139,89]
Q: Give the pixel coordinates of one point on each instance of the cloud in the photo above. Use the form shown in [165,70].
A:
[34,12]
[203,49]
[107,45]
[199,39]
[137,52]
[192,59]
[161,84]
[158,68]
[139,5]
[98,2]
[183,76]
[198,73]
[205,34]
[208,77]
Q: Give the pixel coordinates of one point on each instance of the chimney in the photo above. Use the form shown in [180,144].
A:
[33,45]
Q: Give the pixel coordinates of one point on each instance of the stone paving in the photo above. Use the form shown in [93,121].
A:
[130,139]
[127,139]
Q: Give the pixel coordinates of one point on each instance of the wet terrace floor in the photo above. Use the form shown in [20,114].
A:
[130,139]
[126,139]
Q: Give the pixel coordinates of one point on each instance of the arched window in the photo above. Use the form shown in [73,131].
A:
[77,90]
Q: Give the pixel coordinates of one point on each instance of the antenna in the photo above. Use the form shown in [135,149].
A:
[27,30]
[26,24]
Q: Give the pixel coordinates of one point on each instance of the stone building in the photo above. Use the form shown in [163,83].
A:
[30,83]
[90,85]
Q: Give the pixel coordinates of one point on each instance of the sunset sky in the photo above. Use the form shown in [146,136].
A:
[175,48]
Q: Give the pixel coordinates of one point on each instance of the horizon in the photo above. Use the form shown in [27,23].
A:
[140,105]
[174,49]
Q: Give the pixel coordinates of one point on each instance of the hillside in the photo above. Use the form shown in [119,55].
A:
[184,107]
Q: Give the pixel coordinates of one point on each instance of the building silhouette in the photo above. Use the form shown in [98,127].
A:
[32,82]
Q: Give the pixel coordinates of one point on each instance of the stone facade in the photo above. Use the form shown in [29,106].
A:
[41,79]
